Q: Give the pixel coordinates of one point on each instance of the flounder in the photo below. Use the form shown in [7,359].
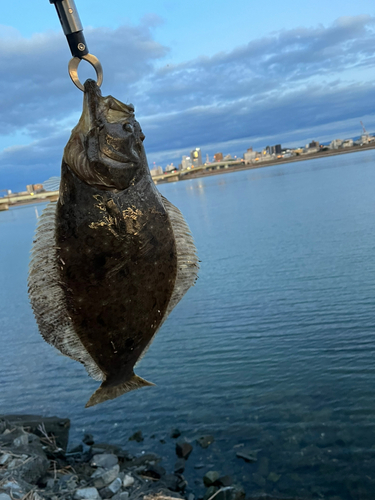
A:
[112,257]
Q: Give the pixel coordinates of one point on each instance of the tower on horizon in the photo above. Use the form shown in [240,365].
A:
[196,157]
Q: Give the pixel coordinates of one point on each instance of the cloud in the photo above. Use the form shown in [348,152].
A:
[34,85]
[276,88]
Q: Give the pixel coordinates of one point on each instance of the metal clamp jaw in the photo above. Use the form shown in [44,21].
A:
[73,31]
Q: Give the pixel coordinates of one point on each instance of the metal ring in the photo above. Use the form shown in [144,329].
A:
[73,70]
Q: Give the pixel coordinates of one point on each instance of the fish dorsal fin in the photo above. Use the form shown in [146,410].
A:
[48,299]
[53,184]
[187,259]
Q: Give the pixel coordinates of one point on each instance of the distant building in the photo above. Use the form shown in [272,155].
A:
[156,171]
[186,163]
[335,144]
[348,143]
[218,157]
[314,144]
[249,155]
[170,168]
[34,188]
[196,157]
[277,149]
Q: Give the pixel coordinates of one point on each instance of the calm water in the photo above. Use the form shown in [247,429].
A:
[272,350]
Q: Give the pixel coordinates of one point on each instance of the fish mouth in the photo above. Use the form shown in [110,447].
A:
[107,140]
[113,123]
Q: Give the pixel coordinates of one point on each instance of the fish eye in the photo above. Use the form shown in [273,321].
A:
[128,128]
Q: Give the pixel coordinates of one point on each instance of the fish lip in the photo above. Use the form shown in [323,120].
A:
[92,98]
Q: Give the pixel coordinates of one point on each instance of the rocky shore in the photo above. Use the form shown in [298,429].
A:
[36,464]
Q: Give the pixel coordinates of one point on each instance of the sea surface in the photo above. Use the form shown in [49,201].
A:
[272,352]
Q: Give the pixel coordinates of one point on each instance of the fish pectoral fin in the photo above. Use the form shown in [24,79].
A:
[106,392]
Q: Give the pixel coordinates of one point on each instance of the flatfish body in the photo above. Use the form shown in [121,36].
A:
[112,257]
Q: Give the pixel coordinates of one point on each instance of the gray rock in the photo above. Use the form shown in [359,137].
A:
[105,460]
[210,478]
[67,483]
[144,459]
[31,469]
[137,436]
[247,456]
[88,439]
[111,489]
[210,491]
[174,482]
[4,458]
[4,496]
[16,489]
[205,441]
[180,465]
[22,440]
[124,495]
[128,481]
[101,478]
[230,493]
[155,471]
[183,449]
[121,495]
[87,494]
[16,462]
[225,481]
[54,426]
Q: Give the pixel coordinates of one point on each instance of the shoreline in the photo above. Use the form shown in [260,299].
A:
[17,200]
[263,164]
[36,463]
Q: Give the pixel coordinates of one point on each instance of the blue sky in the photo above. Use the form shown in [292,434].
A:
[222,76]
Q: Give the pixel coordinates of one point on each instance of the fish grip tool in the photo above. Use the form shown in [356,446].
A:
[72,27]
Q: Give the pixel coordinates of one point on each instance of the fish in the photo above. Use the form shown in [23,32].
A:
[112,257]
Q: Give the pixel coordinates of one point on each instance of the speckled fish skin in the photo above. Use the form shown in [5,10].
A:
[120,270]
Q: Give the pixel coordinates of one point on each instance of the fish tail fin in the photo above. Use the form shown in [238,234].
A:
[106,392]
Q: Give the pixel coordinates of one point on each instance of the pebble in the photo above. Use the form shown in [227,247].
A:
[210,478]
[155,471]
[22,440]
[137,436]
[87,494]
[4,458]
[225,481]
[180,465]
[205,441]
[183,449]
[128,481]
[88,439]
[210,491]
[105,478]
[230,493]
[175,433]
[248,457]
[105,460]
[111,489]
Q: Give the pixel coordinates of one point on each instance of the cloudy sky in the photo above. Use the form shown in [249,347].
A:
[220,75]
